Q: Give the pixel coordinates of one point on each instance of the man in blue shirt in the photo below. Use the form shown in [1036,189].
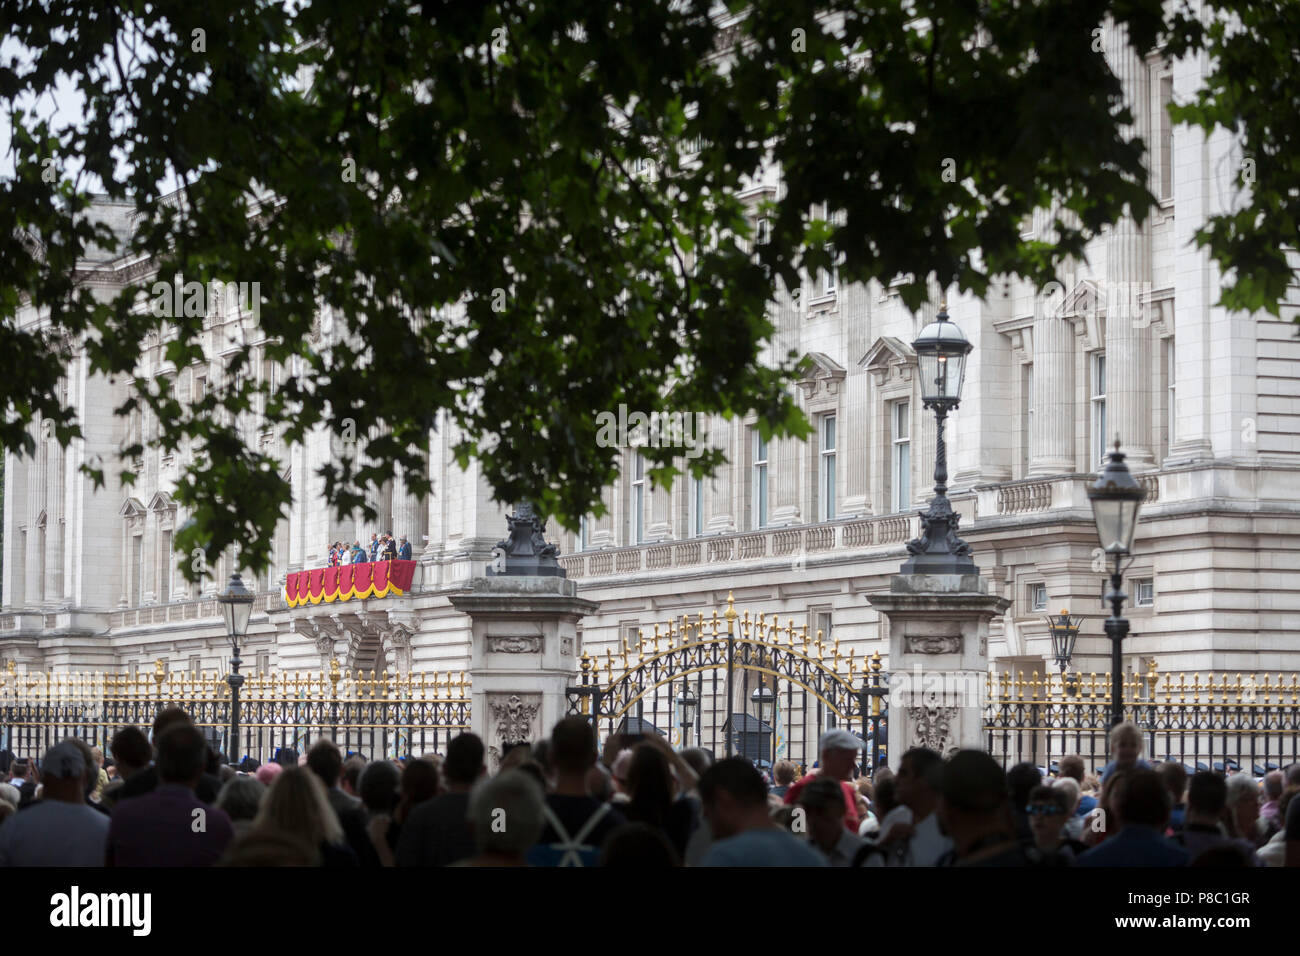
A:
[1140,812]
[735,803]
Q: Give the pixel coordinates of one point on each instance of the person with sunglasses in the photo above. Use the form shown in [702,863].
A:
[1048,811]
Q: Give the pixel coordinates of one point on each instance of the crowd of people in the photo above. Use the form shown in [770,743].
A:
[382,547]
[560,802]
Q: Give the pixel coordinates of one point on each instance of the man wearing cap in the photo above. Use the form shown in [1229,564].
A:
[404,552]
[839,753]
[59,829]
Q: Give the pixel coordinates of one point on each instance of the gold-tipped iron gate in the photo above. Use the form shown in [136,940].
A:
[735,685]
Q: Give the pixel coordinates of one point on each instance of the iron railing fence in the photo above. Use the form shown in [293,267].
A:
[375,715]
[1247,722]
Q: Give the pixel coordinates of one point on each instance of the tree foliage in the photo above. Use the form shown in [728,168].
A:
[493,155]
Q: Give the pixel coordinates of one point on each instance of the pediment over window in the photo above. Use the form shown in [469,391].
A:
[888,359]
[821,376]
[40,520]
[131,508]
[1084,306]
[162,501]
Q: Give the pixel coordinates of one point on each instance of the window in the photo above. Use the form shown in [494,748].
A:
[901,467]
[636,519]
[195,665]
[826,477]
[829,281]
[1038,597]
[137,569]
[1166,138]
[263,662]
[165,569]
[1146,592]
[1026,417]
[1171,395]
[821,621]
[695,508]
[584,532]
[758,501]
[1099,408]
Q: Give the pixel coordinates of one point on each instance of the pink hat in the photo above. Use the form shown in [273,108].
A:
[267,772]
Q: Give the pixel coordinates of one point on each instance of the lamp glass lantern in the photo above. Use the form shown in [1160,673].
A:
[1065,632]
[1116,498]
[236,607]
[766,701]
[941,351]
[689,704]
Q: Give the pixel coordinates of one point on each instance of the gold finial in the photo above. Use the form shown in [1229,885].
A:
[336,674]
[159,671]
[586,663]
[875,662]
[731,608]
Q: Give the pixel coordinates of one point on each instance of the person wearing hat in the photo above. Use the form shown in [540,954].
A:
[404,552]
[389,551]
[839,754]
[59,829]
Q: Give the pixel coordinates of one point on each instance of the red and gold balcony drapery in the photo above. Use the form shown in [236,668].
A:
[349,582]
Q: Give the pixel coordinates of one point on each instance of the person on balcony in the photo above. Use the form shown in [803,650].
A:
[358,553]
[390,548]
[404,552]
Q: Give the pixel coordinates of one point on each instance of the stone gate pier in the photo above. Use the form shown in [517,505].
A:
[524,640]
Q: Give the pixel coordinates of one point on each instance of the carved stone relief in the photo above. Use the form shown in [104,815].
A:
[514,644]
[932,644]
[932,726]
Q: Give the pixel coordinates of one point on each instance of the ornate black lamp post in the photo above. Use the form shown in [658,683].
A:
[941,351]
[688,703]
[1116,498]
[1065,632]
[236,606]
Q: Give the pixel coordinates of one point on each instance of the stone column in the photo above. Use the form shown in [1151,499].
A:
[1128,273]
[523,655]
[1051,448]
[937,627]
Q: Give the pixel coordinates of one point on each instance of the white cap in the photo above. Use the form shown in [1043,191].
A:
[838,739]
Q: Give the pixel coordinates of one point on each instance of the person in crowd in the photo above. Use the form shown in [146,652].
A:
[379,787]
[1071,766]
[785,774]
[637,846]
[158,828]
[92,773]
[268,848]
[132,754]
[1291,821]
[1241,816]
[241,798]
[297,804]
[1204,828]
[390,548]
[9,794]
[336,554]
[576,824]
[1073,828]
[23,777]
[1049,810]
[404,551]
[913,837]
[326,761]
[1098,825]
[146,780]
[975,814]
[700,760]
[101,776]
[1273,853]
[839,751]
[1022,780]
[60,829]
[515,797]
[435,833]
[822,803]
[744,834]
[419,785]
[1138,810]
[1274,785]
[267,773]
[869,828]
[651,786]
[1126,745]
[374,547]
[358,554]
[1174,775]
[351,777]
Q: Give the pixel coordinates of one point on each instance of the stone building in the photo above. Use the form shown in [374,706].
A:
[1206,402]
